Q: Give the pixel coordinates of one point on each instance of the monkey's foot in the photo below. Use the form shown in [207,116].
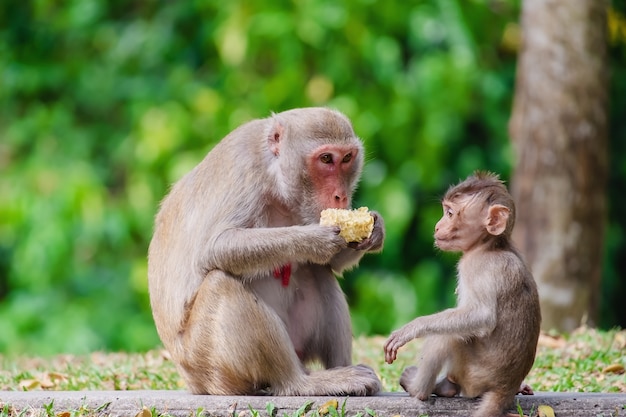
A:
[447,388]
[372,384]
[525,389]
[407,381]
[355,380]
[407,377]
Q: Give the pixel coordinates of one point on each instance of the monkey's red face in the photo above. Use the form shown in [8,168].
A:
[333,170]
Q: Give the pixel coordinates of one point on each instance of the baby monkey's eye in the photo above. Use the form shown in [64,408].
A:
[326,158]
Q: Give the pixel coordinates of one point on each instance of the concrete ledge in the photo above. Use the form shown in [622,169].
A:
[183,404]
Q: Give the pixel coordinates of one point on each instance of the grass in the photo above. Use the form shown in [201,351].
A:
[586,360]
[97,371]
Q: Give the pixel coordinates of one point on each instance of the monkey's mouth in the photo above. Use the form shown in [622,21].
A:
[439,242]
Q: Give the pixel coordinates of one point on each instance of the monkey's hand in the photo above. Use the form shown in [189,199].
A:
[350,257]
[374,243]
[397,339]
[325,244]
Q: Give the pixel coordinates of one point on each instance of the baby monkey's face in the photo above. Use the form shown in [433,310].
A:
[462,225]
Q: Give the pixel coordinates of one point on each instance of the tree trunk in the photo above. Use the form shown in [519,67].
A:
[559,133]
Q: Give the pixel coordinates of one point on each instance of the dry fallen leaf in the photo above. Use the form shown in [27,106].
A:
[29,384]
[614,368]
[46,383]
[144,412]
[545,411]
[64,414]
[551,342]
[57,376]
[325,408]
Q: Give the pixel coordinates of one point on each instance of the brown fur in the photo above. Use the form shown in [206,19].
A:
[251,206]
[485,345]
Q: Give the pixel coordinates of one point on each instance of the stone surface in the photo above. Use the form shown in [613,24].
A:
[181,403]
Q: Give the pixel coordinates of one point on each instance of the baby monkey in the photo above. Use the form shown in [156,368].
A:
[485,346]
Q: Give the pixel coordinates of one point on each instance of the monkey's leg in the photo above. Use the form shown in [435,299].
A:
[333,344]
[234,344]
[420,381]
[231,344]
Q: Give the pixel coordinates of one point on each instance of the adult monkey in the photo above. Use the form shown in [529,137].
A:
[246,215]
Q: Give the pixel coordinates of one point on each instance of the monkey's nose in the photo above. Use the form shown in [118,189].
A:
[340,201]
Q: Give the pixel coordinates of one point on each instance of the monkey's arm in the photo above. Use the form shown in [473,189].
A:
[240,251]
[351,256]
[465,322]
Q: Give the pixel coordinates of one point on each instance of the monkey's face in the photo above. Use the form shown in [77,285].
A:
[461,227]
[333,170]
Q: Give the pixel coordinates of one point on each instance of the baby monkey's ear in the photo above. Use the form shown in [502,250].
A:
[497,217]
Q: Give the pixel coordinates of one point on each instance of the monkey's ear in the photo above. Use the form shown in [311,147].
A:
[274,136]
[497,217]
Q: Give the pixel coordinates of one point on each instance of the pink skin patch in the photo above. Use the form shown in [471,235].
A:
[284,274]
[330,167]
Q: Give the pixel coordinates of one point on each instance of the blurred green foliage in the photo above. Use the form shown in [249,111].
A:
[105,103]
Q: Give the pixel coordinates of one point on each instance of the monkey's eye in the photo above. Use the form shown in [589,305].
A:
[448,211]
[347,158]
[326,158]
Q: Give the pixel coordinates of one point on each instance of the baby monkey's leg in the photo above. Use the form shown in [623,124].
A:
[421,381]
